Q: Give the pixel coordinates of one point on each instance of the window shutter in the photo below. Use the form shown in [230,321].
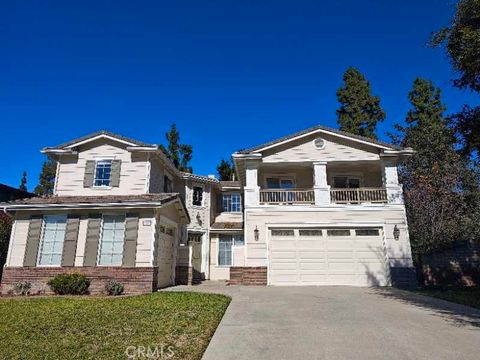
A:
[130,244]
[89,173]
[70,242]
[115,174]
[93,237]
[33,241]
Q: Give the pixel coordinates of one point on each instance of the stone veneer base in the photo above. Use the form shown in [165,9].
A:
[138,280]
[248,275]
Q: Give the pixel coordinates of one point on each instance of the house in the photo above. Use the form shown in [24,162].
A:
[319,207]
[8,193]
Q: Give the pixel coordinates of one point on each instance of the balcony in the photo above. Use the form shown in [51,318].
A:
[287,196]
[337,196]
[359,196]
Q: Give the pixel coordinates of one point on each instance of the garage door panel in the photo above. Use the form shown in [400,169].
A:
[304,255]
[284,266]
[332,259]
[310,244]
[283,254]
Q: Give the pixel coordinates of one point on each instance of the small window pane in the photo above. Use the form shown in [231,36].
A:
[282,232]
[102,173]
[239,241]
[367,232]
[338,232]
[273,183]
[340,182]
[311,232]
[353,183]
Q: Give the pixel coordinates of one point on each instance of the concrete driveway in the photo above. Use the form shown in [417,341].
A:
[340,323]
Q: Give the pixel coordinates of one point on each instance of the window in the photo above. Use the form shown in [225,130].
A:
[111,245]
[232,203]
[103,170]
[338,232]
[53,235]
[226,245]
[319,143]
[346,182]
[282,232]
[197,196]
[167,184]
[366,232]
[310,232]
[280,183]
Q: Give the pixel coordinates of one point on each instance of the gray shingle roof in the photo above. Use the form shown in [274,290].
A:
[97,133]
[318,127]
[104,199]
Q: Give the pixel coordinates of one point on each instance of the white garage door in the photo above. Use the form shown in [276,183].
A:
[327,256]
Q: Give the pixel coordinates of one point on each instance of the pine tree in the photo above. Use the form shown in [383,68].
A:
[359,110]
[23,182]
[433,177]
[179,154]
[225,170]
[462,43]
[46,181]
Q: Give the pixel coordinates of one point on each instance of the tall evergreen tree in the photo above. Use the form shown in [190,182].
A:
[179,154]
[433,177]
[225,170]
[23,182]
[46,181]
[359,110]
[462,45]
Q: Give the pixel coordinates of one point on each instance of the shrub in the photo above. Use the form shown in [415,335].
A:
[69,284]
[22,288]
[114,288]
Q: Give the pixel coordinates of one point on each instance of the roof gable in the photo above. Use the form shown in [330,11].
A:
[103,134]
[319,130]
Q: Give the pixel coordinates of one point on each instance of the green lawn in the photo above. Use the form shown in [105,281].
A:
[466,296]
[103,328]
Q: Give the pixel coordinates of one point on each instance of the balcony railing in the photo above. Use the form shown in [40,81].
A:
[357,196]
[284,196]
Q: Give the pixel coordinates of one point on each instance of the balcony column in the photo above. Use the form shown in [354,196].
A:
[390,180]
[321,187]
[252,190]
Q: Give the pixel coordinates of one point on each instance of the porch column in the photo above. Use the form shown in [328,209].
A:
[390,181]
[321,187]
[252,190]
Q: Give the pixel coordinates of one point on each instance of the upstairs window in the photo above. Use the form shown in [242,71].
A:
[53,236]
[103,172]
[232,203]
[280,183]
[346,182]
[197,196]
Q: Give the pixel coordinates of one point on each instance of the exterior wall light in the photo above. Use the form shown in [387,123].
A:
[396,233]
[256,233]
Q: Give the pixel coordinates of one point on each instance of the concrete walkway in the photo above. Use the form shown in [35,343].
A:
[339,323]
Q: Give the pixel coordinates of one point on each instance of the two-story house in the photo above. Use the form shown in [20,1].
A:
[116,213]
[319,207]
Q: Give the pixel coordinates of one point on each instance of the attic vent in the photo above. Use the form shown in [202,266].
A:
[319,143]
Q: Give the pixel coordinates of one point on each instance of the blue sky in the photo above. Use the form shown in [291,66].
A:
[230,74]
